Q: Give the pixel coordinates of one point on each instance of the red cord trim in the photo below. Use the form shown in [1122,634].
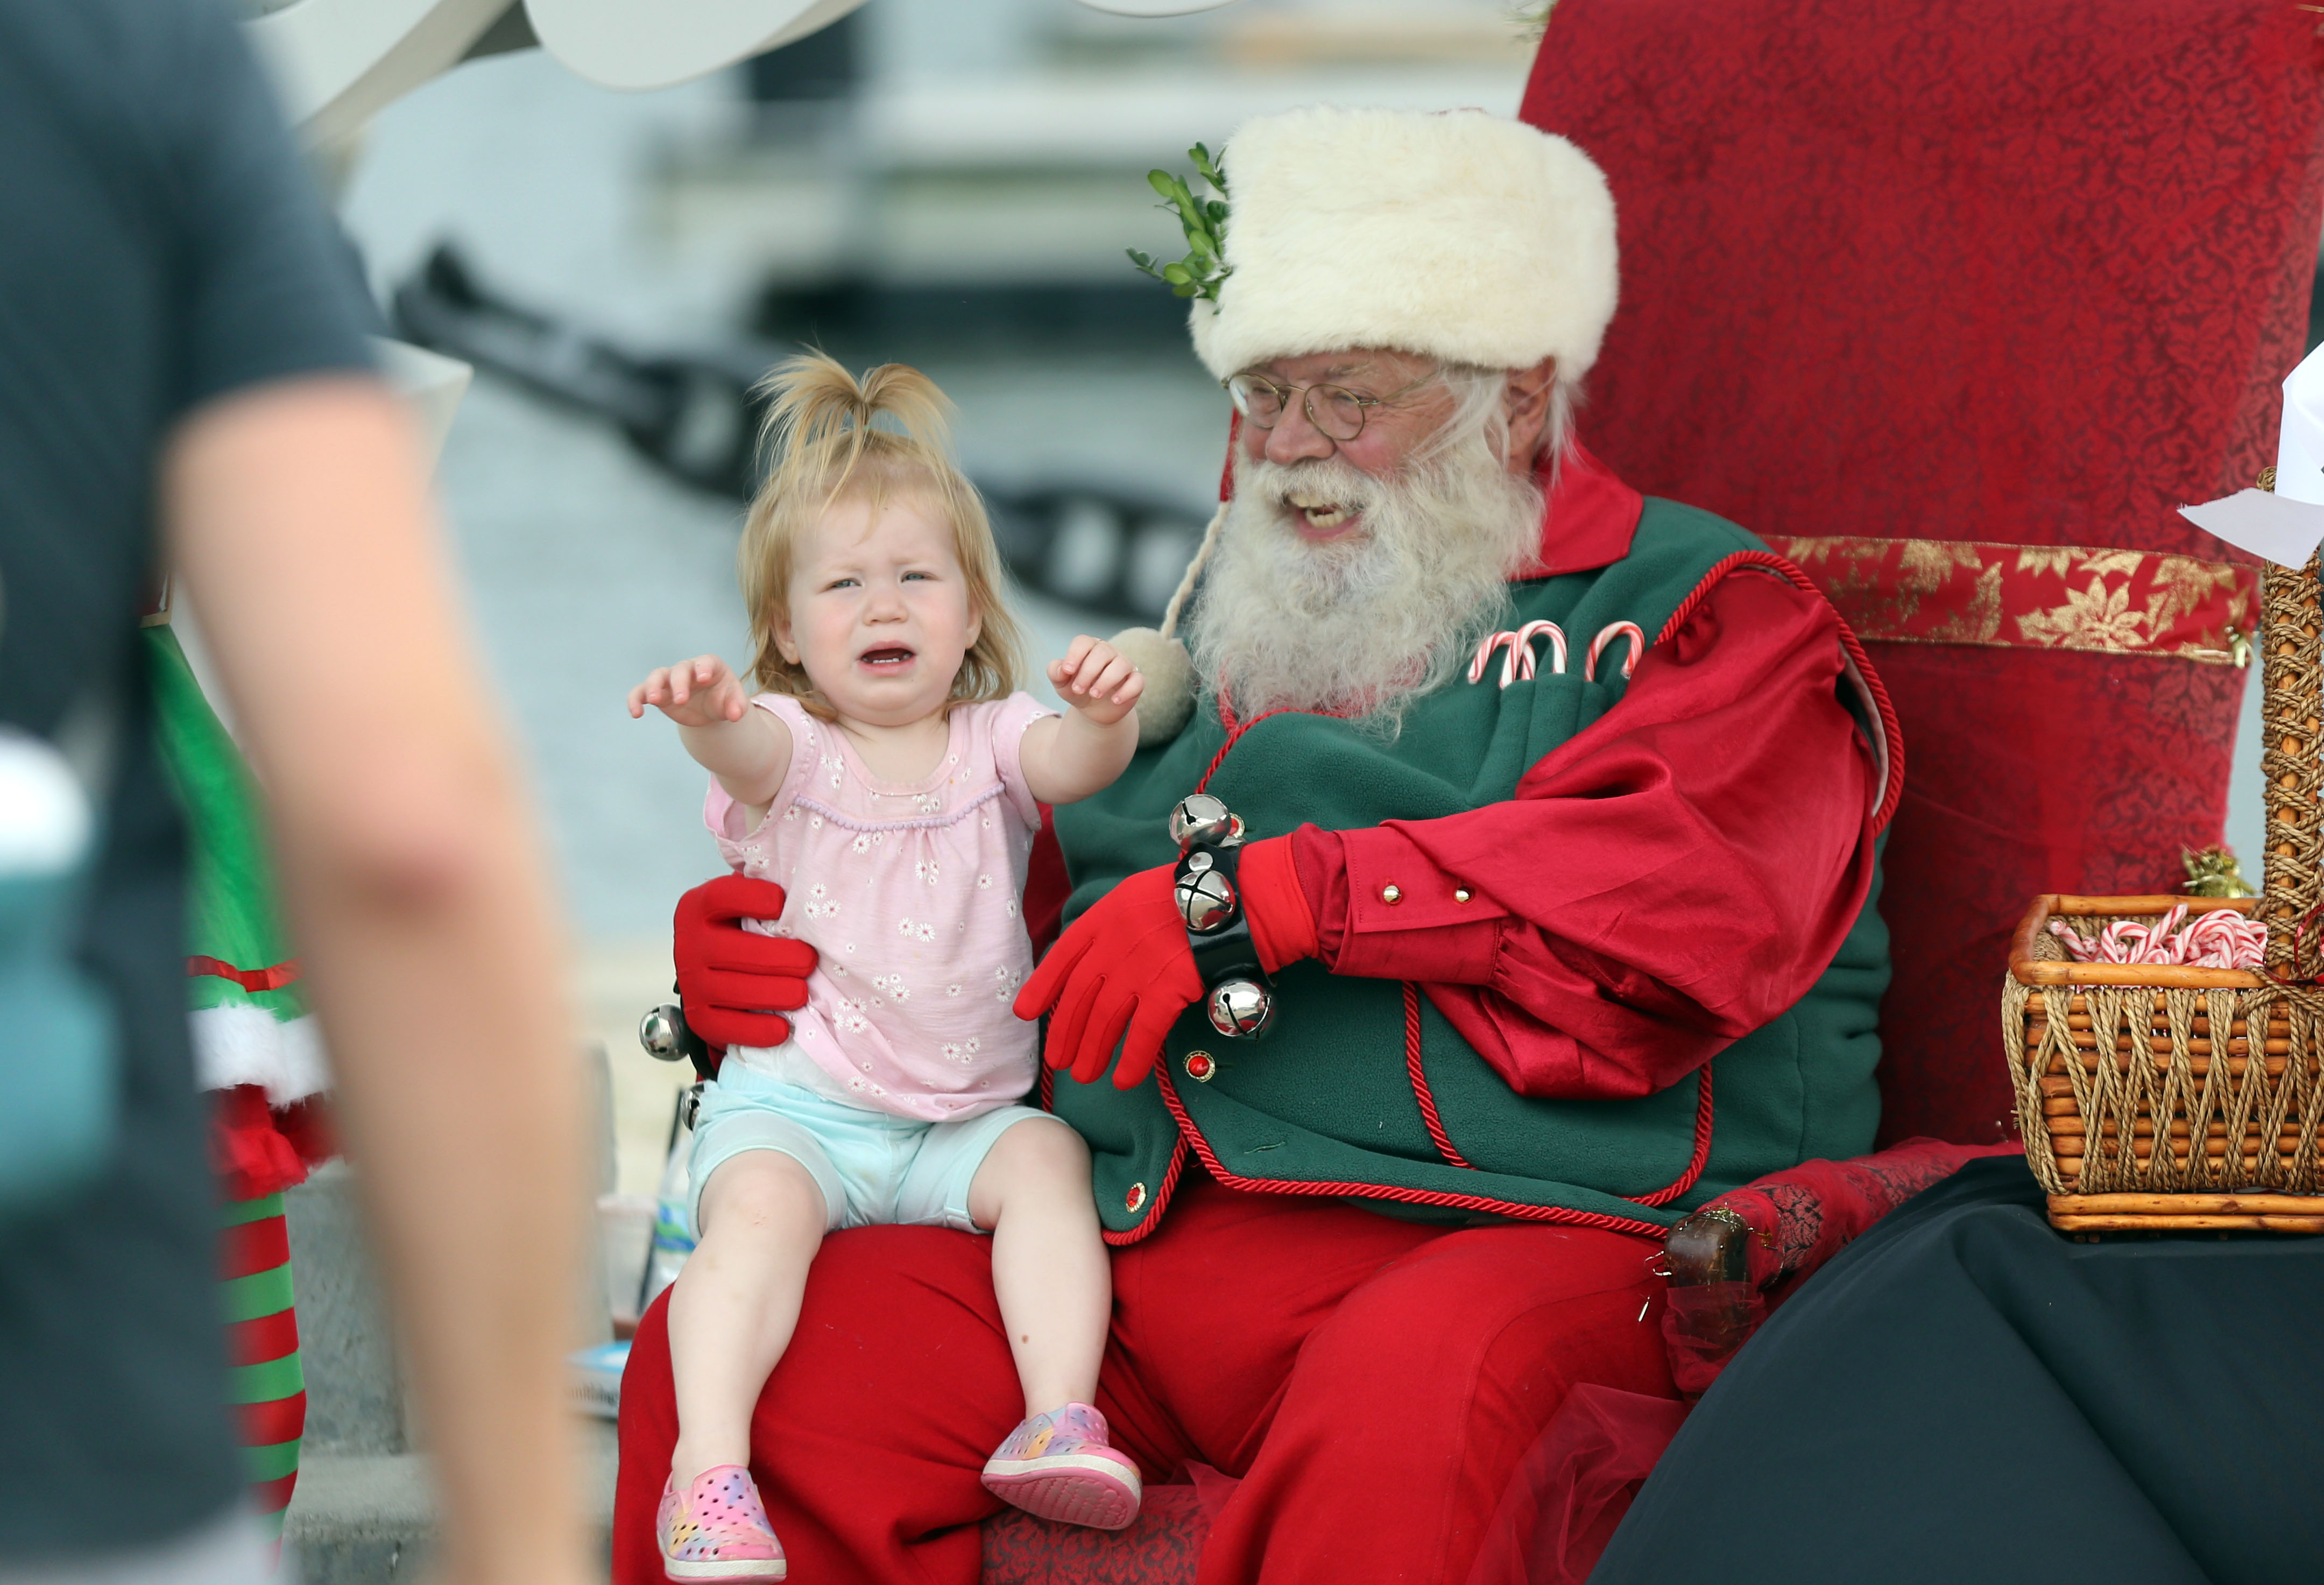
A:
[1894,792]
[1235,729]
[1702,1157]
[1696,1162]
[249,979]
[1153,1217]
[1190,1135]
[1420,1090]
[1699,1158]
[1161,1201]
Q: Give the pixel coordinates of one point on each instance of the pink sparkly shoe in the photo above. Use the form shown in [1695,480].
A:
[718,1530]
[1058,1466]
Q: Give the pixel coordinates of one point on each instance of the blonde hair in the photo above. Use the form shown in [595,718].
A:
[821,426]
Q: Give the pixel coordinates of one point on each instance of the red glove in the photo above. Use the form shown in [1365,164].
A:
[1122,971]
[1124,964]
[733,982]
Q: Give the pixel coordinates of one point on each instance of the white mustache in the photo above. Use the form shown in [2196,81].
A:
[1364,623]
[1319,480]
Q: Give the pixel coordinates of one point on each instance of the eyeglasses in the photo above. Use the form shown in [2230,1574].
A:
[1335,410]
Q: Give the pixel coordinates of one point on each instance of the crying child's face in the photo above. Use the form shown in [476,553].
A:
[879,613]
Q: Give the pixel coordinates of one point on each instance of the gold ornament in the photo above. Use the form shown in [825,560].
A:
[2215,872]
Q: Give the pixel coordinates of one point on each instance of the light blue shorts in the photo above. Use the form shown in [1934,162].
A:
[874,1169]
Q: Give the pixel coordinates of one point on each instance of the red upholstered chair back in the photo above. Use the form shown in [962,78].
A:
[1969,274]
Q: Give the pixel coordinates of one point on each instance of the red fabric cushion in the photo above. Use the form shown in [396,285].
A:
[1160,1546]
[2017,271]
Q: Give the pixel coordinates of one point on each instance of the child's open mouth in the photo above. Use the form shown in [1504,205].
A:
[890,657]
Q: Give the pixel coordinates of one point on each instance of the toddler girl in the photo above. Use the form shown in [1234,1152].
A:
[886,776]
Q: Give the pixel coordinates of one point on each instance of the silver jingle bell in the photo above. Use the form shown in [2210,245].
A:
[659,1031]
[1200,818]
[1240,1009]
[1206,899]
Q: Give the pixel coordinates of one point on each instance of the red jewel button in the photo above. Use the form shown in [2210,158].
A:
[1200,1067]
[1136,1197]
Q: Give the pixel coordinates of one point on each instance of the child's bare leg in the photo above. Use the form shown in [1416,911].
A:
[1050,1270]
[732,1311]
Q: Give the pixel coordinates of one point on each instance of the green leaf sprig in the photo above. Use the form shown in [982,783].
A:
[1204,222]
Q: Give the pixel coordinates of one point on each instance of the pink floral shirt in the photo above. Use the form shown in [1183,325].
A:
[912,895]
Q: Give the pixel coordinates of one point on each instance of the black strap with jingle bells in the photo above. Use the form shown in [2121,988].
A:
[1236,996]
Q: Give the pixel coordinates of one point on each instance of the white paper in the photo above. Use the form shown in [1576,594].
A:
[2299,449]
[2277,526]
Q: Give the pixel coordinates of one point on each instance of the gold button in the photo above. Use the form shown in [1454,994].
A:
[1391,893]
[1201,1066]
[1461,893]
[1135,1198]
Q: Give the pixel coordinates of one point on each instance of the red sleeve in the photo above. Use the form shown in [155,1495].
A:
[1664,882]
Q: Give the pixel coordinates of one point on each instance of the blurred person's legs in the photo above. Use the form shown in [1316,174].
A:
[231,1550]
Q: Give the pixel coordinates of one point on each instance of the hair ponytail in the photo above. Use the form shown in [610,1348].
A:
[824,429]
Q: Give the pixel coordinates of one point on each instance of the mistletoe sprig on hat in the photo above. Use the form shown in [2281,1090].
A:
[1204,222]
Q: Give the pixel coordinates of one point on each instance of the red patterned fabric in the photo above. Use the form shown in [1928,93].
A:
[1160,1546]
[1803,1217]
[2034,596]
[2014,272]
[1799,1220]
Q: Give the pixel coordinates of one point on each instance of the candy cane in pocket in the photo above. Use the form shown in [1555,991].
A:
[1607,634]
[1518,662]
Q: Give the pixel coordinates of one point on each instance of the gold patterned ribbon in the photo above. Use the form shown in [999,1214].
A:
[2034,596]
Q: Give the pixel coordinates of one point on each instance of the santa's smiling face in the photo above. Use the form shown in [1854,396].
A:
[1408,407]
[1405,404]
[1352,573]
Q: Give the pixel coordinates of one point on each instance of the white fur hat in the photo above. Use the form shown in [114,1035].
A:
[1466,237]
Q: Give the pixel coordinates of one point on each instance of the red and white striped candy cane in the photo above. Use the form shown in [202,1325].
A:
[1522,650]
[1485,655]
[2219,939]
[2225,939]
[1607,634]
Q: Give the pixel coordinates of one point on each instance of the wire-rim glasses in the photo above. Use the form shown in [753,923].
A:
[1336,411]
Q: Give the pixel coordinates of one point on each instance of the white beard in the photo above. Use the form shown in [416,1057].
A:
[1360,627]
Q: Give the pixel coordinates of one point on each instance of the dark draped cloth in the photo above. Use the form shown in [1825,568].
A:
[1964,1393]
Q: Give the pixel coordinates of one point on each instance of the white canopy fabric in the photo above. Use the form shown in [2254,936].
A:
[339,62]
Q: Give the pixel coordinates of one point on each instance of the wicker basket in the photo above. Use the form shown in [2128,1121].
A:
[2135,1055]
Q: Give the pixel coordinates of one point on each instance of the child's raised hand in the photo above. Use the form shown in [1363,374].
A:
[700,693]
[1097,680]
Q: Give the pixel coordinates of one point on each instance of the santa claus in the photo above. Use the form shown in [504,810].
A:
[1550,822]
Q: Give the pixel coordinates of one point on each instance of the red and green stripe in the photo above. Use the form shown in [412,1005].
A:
[267,1387]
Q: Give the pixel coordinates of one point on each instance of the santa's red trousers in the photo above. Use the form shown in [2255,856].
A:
[1373,1383]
